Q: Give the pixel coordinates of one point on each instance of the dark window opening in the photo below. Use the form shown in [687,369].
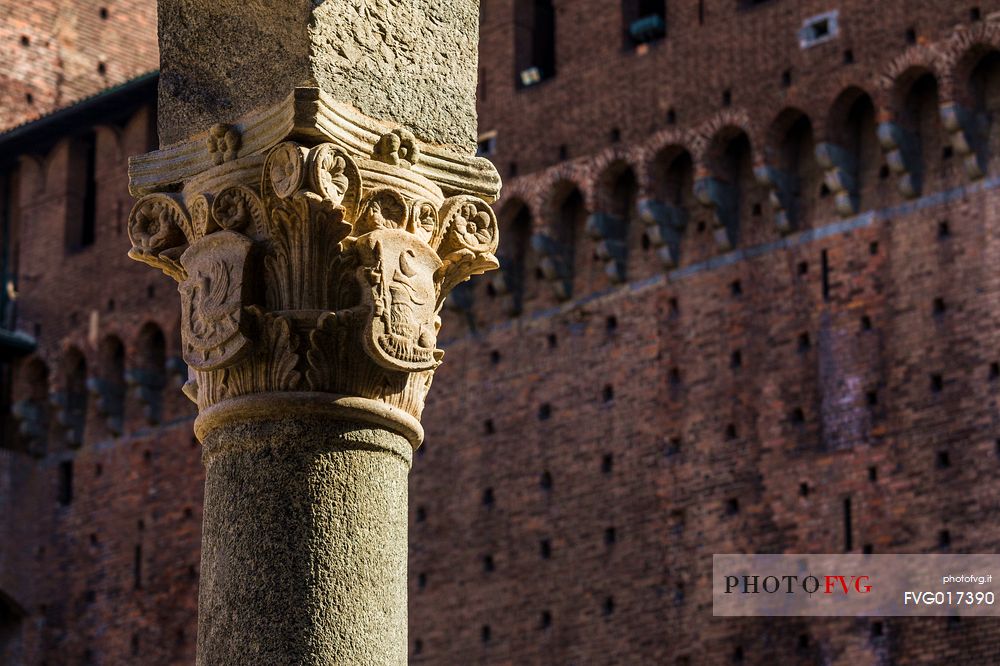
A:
[137,567]
[81,214]
[65,482]
[534,41]
[848,538]
[825,271]
[645,21]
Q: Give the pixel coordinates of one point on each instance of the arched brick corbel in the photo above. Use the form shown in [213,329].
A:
[967,134]
[902,154]
[967,128]
[839,169]
[503,281]
[664,227]
[554,264]
[778,185]
[899,144]
[720,197]
[664,221]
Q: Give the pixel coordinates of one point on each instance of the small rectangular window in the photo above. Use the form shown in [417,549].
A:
[534,41]
[645,21]
[487,145]
[81,212]
[818,29]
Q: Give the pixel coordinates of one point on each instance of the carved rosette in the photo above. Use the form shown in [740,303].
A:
[325,277]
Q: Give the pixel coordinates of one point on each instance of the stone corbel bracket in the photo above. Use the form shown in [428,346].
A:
[902,153]
[609,232]
[70,417]
[554,264]
[148,386]
[839,169]
[720,197]
[664,227]
[110,402]
[313,266]
[779,186]
[32,421]
[967,130]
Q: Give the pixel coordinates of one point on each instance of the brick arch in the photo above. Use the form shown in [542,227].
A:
[959,55]
[112,337]
[605,178]
[901,72]
[136,130]
[510,206]
[149,328]
[663,144]
[841,105]
[596,169]
[776,132]
[708,163]
[32,172]
[110,135]
[520,192]
[32,372]
[724,125]
[56,163]
[557,188]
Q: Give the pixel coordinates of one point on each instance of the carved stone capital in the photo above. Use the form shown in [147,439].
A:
[312,268]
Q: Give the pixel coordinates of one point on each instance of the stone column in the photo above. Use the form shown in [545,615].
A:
[316,200]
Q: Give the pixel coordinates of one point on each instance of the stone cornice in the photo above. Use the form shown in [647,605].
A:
[311,116]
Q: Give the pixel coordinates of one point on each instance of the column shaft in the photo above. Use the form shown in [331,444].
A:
[304,545]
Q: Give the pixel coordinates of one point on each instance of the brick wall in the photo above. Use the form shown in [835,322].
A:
[55,52]
[586,456]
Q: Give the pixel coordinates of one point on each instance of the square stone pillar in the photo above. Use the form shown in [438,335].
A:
[316,199]
[412,63]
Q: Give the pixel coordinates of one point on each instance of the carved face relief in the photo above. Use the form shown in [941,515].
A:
[398,283]
[212,300]
[424,221]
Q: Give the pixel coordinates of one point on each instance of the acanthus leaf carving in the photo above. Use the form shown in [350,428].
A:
[271,367]
[304,228]
[356,257]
